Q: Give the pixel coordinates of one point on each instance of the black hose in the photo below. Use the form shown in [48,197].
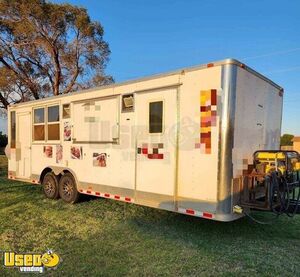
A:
[262,222]
[297,201]
[279,191]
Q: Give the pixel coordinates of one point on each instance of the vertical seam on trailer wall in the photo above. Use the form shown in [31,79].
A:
[226,139]
[119,107]
[31,138]
[135,145]
[178,89]
[220,111]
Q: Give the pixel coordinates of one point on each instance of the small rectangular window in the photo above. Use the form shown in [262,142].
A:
[53,114]
[39,124]
[66,111]
[156,117]
[53,132]
[127,103]
[39,132]
[13,129]
[39,115]
[53,123]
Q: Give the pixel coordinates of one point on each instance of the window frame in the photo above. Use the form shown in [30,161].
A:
[162,119]
[39,124]
[46,123]
[53,122]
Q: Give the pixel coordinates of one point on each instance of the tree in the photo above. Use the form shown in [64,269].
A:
[48,49]
[286,140]
[3,140]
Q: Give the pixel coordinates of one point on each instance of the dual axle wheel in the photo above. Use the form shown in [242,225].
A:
[64,187]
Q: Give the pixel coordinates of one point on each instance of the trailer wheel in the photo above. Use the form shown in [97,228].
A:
[67,188]
[50,186]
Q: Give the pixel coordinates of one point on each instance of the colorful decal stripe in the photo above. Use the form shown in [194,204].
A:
[196,213]
[208,119]
[151,151]
[107,195]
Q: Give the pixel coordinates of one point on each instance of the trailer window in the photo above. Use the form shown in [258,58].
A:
[128,103]
[13,130]
[39,115]
[53,123]
[156,117]
[39,124]
[66,111]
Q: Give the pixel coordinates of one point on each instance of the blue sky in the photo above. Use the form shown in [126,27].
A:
[148,37]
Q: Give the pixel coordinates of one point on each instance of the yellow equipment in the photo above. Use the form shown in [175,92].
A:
[274,183]
[266,162]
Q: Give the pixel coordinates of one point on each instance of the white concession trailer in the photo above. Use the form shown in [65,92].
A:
[176,141]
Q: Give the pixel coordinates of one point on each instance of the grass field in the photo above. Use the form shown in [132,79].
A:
[107,238]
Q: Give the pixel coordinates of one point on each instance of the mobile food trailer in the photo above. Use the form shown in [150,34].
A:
[177,141]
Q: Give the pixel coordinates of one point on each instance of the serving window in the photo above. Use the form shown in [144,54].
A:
[96,120]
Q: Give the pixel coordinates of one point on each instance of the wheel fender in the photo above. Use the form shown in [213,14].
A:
[61,170]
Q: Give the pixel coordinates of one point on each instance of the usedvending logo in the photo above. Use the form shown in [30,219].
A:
[31,262]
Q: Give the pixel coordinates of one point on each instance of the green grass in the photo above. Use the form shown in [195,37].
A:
[109,238]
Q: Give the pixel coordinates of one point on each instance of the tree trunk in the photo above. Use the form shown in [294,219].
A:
[57,76]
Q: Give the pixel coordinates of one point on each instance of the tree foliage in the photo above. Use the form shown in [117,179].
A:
[48,49]
[286,140]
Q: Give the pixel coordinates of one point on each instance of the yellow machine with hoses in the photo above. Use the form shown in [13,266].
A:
[273,183]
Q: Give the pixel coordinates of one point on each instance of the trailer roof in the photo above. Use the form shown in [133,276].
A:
[178,71]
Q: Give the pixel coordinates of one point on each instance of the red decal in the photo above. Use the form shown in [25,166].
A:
[106,194]
[97,193]
[145,150]
[127,199]
[117,197]
[89,191]
[81,190]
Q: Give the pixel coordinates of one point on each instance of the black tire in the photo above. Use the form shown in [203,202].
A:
[68,189]
[50,186]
